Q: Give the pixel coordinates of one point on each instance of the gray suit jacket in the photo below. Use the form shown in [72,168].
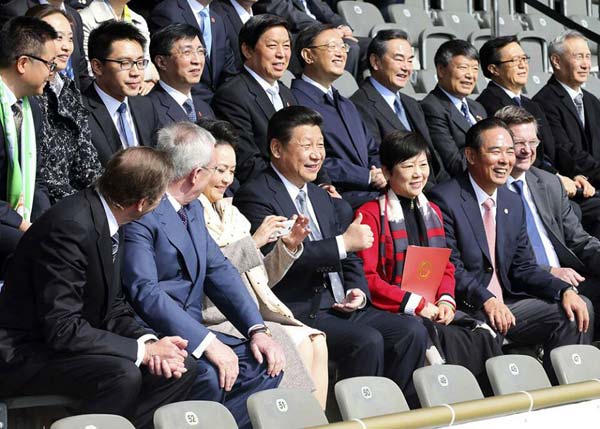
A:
[574,246]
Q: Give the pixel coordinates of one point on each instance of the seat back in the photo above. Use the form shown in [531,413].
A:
[96,421]
[346,84]
[528,9]
[426,80]
[544,25]
[594,25]
[463,23]
[514,373]
[362,17]
[575,7]
[535,82]
[457,5]
[534,44]
[575,363]
[284,408]
[445,384]
[413,21]
[592,85]
[194,414]
[287,78]
[362,397]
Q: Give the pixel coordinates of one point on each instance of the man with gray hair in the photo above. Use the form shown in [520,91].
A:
[171,263]
[571,110]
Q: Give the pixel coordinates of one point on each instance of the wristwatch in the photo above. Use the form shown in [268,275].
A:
[573,288]
[260,330]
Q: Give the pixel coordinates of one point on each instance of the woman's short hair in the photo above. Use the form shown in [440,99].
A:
[398,146]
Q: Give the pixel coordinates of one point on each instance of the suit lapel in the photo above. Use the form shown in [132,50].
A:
[353,128]
[502,213]
[590,117]
[103,243]
[100,113]
[138,118]
[457,117]
[473,213]
[280,194]
[540,199]
[172,110]
[566,101]
[189,18]
[381,106]
[260,96]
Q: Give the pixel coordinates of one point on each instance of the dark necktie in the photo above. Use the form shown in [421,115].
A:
[124,128]
[17,110]
[464,108]
[115,245]
[532,231]
[401,113]
[578,100]
[517,101]
[190,111]
[183,216]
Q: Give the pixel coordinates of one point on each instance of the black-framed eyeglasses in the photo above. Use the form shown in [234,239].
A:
[128,64]
[50,64]
[513,62]
[333,46]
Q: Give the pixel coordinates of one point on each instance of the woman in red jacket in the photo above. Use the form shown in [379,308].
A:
[403,216]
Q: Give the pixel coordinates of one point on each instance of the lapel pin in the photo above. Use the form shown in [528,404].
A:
[505,211]
[212,19]
[478,118]
[199,114]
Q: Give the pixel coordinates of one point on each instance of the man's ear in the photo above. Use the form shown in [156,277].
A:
[21,63]
[161,62]
[307,56]
[276,148]
[96,66]
[470,155]
[247,51]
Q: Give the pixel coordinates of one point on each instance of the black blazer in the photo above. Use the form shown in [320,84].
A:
[493,98]
[105,136]
[233,25]
[169,111]
[577,148]
[382,120]
[221,64]
[244,103]
[448,128]
[304,288]
[293,11]
[62,292]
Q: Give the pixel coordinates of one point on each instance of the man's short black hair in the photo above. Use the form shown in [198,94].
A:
[163,40]
[306,38]
[256,27]
[454,48]
[473,138]
[378,45]
[21,36]
[489,52]
[398,146]
[282,123]
[102,37]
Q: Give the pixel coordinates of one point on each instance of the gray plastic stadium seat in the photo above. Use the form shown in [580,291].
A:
[535,45]
[387,26]
[287,78]
[575,7]
[195,415]
[426,80]
[362,17]
[594,25]
[514,373]
[575,363]
[504,6]
[462,23]
[531,10]
[95,421]
[544,25]
[430,40]
[445,384]
[284,409]
[362,397]
[22,402]
[457,5]
[592,85]
[509,25]
[479,37]
[535,82]
[346,84]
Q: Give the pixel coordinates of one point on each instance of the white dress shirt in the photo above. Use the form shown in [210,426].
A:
[388,96]
[482,197]
[176,95]
[242,13]
[572,93]
[271,90]
[458,104]
[196,9]
[112,105]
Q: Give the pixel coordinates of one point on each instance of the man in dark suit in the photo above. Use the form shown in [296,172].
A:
[65,328]
[250,99]
[559,242]
[220,60]
[27,51]
[380,101]
[77,62]
[575,129]
[171,263]
[448,110]
[505,63]
[497,276]
[235,13]
[326,286]
[178,54]
[118,117]
[352,161]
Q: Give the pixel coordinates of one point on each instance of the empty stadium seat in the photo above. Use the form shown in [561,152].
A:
[514,373]
[483,12]
[284,409]
[593,85]
[413,21]
[362,397]
[457,5]
[544,25]
[22,402]
[346,84]
[462,23]
[479,37]
[194,414]
[531,10]
[287,78]
[387,26]
[362,17]
[93,421]
[430,40]
[575,363]
[445,384]
[536,46]
[535,82]
[594,25]
[574,7]
[426,81]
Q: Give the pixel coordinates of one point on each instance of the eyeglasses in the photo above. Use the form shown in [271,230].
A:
[50,64]
[333,47]
[211,170]
[128,64]
[530,144]
[514,62]
[189,52]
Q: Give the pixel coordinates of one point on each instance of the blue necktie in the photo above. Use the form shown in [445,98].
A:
[124,128]
[190,111]
[206,30]
[532,231]
[517,101]
[465,111]
[401,113]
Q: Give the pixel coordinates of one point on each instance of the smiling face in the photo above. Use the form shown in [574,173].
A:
[223,174]
[573,66]
[459,76]
[511,75]
[525,138]
[301,158]
[326,60]
[408,178]
[491,165]
[64,42]
[116,82]
[183,68]
[271,54]
[394,68]
[35,73]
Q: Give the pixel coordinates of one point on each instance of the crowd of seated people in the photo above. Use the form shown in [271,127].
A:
[176,223]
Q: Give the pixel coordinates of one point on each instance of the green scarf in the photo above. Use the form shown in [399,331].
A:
[21,178]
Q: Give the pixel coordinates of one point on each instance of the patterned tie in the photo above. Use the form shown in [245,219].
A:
[490,232]
[183,216]
[115,245]
[578,100]
[315,235]
[401,113]
[517,101]
[532,231]
[17,110]
[307,10]
[190,111]
[124,128]
[275,98]
[206,30]
[464,108]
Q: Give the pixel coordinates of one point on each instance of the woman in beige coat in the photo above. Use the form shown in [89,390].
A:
[231,231]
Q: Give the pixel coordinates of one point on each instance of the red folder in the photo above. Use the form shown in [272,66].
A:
[424,268]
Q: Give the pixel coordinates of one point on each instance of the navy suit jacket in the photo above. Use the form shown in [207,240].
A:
[105,136]
[293,11]
[168,270]
[233,25]
[305,287]
[220,65]
[169,111]
[351,149]
[517,269]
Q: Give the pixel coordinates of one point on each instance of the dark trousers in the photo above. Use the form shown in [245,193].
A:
[110,385]
[590,214]
[9,238]
[374,342]
[251,379]
[590,288]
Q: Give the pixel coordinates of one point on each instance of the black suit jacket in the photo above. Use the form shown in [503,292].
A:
[577,148]
[305,287]
[293,11]
[220,65]
[169,111]
[493,98]
[105,136]
[233,25]
[382,120]
[62,294]
[448,128]
[244,103]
